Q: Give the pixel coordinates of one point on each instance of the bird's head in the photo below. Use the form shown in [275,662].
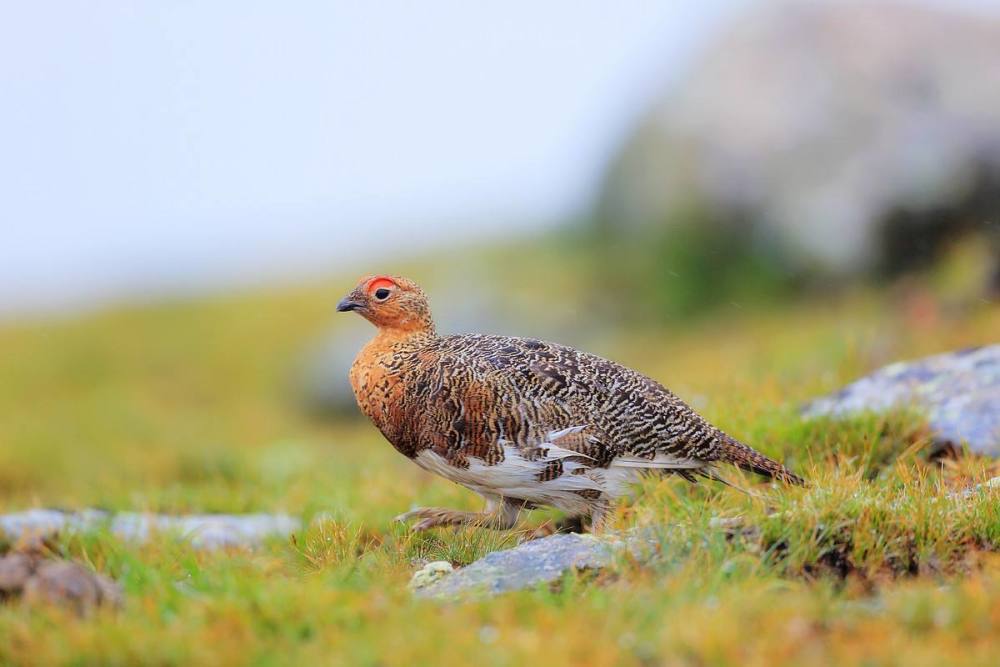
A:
[391,303]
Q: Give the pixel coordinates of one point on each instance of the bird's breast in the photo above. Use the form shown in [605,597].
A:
[381,381]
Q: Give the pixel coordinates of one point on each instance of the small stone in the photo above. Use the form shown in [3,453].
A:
[63,583]
[71,585]
[430,573]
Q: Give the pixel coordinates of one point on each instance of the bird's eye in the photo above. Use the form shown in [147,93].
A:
[381,294]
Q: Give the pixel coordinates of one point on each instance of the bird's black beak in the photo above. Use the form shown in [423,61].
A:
[347,304]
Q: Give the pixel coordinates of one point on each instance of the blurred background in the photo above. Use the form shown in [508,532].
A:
[186,189]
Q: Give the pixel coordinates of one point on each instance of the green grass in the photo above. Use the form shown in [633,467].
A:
[188,407]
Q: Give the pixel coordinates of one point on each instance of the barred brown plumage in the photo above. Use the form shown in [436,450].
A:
[523,422]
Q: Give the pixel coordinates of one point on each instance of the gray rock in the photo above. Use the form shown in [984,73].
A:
[959,392]
[69,584]
[205,531]
[528,565]
[823,120]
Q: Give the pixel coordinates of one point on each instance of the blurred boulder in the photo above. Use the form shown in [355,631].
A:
[862,136]
[959,392]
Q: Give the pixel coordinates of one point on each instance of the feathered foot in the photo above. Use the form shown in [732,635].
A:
[497,516]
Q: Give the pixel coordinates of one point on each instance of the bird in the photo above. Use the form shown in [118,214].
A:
[522,422]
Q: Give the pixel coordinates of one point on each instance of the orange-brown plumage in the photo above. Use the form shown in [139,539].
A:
[522,422]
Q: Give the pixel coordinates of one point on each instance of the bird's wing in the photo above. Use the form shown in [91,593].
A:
[606,411]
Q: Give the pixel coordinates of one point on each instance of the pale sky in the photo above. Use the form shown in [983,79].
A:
[162,146]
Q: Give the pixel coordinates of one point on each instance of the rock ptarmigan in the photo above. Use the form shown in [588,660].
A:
[522,422]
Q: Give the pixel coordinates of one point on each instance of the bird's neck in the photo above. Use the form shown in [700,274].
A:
[387,345]
[395,337]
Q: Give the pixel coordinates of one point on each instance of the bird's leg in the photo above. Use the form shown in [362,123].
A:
[499,515]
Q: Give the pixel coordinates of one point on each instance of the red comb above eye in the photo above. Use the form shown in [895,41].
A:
[380,281]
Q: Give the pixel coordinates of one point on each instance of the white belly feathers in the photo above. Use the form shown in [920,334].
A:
[519,478]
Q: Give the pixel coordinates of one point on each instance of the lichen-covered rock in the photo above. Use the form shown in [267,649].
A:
[430,573]
[959,392]
[528,565]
